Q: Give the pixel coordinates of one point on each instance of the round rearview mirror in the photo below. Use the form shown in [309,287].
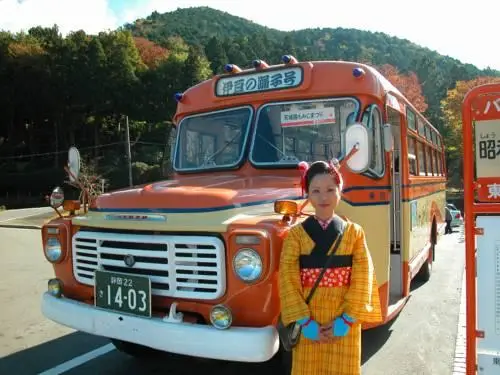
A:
[57,198]
[73,163]
[358,137]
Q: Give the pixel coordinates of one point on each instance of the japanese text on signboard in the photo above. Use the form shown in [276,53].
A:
[306,117]
[261,81]
[488,148]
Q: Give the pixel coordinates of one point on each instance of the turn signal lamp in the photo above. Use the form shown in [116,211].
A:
[289,59]
[286,207]
[178,96]
[260,64]
[358,72]
[232,68]
[72,206]
[55,288]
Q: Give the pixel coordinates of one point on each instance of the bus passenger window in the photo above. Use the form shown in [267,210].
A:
[428,160]
[412,159]
[421,159]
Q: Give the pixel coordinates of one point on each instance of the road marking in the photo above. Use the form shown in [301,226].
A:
[80,360]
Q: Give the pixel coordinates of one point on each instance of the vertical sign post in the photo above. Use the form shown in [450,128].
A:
[481,144]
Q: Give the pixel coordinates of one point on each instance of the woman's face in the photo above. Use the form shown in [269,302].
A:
[324,195]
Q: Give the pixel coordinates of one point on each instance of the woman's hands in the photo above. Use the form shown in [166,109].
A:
[329,332]
[335,330]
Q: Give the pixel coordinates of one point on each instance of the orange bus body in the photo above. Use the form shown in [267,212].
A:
[218,202]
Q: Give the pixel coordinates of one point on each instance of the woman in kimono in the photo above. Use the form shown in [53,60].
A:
[330,343]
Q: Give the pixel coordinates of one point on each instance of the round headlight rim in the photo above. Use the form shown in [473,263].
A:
[229,312]
[255,252]
[61,255]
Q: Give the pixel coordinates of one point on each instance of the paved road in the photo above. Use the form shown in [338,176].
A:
[421,341]
[25,217]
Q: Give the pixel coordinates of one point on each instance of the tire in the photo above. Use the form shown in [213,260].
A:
[282,362]
[134,350]
[426,270]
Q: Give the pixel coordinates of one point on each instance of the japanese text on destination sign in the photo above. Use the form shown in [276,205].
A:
[257,82]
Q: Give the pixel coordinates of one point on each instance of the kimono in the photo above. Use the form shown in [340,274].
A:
[347,287]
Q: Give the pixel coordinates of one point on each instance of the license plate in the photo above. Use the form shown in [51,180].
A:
[125,293]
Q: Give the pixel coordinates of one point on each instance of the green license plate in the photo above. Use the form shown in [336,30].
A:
[121,292]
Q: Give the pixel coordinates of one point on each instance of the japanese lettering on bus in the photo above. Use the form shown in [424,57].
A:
[260,81]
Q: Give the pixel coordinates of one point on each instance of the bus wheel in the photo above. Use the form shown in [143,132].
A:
[281,363]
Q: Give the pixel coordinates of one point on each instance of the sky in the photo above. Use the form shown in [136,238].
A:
[465,30]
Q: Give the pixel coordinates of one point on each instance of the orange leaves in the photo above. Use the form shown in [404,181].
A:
[451,105]
[151,53]
[408,84]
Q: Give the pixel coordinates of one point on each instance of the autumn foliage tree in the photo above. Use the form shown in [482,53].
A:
[451,107]
[408,84]
[151,53]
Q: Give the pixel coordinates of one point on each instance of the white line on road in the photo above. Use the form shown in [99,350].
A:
[80,360]
[41,211]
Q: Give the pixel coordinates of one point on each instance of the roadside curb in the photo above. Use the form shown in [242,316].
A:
[459,361]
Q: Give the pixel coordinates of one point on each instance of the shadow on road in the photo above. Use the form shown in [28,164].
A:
[45,356]
[49,354]
[373,339]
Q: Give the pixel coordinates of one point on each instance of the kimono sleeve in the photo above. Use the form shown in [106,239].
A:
[293,306]
[362,301]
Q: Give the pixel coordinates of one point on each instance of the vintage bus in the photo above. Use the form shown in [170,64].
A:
[190,265]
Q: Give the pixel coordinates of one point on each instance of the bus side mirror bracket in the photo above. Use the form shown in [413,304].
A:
[357,137]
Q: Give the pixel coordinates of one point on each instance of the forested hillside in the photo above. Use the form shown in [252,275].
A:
[78,90]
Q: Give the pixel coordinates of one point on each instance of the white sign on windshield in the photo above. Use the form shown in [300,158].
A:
[257,82]
[307,117]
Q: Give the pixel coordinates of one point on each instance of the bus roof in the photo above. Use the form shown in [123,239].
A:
[318,79]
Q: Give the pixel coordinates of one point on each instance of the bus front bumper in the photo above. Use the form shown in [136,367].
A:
[239,344]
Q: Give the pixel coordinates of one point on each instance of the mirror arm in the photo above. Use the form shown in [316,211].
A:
[351,153]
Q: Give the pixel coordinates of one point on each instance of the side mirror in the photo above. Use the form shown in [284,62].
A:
[388,138]
[56,198]
[357,137]
[73,163]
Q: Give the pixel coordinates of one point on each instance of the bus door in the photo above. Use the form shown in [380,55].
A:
[396,181]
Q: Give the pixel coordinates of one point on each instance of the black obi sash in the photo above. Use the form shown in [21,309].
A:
[323,240]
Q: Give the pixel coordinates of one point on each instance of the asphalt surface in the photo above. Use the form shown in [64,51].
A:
[26,218]
[420,341]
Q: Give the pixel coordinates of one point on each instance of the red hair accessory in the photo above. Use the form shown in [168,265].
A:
[335,172]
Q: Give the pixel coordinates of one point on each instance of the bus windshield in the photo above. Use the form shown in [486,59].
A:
[290,132]
[212,140]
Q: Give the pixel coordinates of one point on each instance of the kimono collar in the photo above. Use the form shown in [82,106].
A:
[324,223]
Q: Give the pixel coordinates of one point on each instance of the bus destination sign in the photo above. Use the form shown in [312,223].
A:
[258,82]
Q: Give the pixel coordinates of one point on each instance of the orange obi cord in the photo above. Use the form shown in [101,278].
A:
[333,277]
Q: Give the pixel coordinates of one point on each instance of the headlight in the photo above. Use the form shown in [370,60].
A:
[247,264]
[53,250]
[221,317]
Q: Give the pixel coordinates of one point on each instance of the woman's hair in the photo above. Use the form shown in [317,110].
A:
[322,167]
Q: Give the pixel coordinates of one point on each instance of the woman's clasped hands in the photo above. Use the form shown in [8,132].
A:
[329,332]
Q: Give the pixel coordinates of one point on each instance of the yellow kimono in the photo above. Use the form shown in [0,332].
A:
[351,290]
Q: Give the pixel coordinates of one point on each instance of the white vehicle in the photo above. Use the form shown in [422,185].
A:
[457,219]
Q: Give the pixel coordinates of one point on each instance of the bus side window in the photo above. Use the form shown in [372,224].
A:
[412,159]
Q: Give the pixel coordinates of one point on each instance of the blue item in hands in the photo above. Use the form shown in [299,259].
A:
[310,330]
[340,326]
